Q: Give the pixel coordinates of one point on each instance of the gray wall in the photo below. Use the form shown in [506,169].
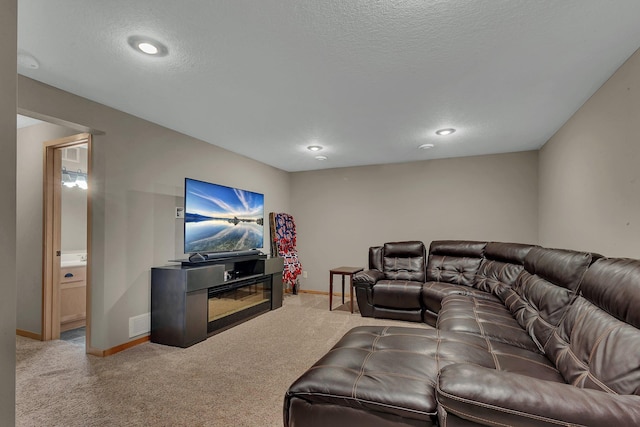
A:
[590,173]
[138,177]
[581,193]
[8,42]
[339,213]
[29,220]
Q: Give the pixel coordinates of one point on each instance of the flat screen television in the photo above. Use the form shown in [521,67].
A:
[221,219]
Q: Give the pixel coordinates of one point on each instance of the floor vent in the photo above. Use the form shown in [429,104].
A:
[139,325]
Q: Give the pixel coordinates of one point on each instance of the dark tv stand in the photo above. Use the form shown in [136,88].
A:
[192,301]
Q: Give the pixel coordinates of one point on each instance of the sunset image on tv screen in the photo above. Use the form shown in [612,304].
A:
[221,219]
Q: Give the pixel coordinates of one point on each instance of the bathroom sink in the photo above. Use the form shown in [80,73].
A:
[73,263]
[73,259]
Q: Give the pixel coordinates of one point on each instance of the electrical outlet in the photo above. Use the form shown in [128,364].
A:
[304,274]
[179,212]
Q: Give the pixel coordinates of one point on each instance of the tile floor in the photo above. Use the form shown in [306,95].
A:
[74,336]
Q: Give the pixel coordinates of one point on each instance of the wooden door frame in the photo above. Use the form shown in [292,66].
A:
[51,235]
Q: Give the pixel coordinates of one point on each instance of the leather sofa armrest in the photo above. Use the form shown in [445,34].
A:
[489,397]
[367,278]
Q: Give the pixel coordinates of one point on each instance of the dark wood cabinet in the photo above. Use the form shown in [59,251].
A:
[190,302]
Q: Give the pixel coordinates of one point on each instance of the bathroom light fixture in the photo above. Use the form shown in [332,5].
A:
[314,148]
[72,179]
[67,181]
[321,157]
[148,46]
[426,146]
[81,181]
[443,132]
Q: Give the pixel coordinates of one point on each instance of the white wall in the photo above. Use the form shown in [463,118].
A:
[590,173]
[73,202]
[138,171]
[340,213]
[8,42]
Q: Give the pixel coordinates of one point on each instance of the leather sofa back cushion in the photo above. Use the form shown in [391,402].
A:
[457,248]
[542,292]
[561,267]
[404,249]
[404,261]
[502,264]
[454,261]
[411,269]
[614,285]
[512,253]
[496,277]
[454,270]
[375,258]
[596,345]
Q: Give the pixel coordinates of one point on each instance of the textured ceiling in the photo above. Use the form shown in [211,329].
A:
[368,80]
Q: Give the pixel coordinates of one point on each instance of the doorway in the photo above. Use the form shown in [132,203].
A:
[67,238]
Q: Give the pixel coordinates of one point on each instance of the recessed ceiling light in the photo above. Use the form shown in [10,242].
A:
[426,146]
[447,131]
[147,45]
[321,157]
[148,48]
[314,148]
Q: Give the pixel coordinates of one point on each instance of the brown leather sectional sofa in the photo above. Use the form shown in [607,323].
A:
[523,336]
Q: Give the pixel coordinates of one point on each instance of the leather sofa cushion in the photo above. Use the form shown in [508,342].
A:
[614,285]
[375,258]
[542,292]
[378,369]
[434,292]
[496,277]
[454,261]
[560,267]
[492,275]
[455,270]
[488,318]
[402,294]
[500,267]
[457,248]
[394,370]
[404,261]
[471,395]
[404,249]
[409,315]
[299,412]
[512,253]
[404,268]
[595,347]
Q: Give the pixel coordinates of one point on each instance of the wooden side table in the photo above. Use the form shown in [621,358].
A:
[342,271]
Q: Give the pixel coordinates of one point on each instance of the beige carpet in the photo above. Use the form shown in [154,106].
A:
[235,378]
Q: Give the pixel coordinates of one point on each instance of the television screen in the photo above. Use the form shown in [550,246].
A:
[221,219]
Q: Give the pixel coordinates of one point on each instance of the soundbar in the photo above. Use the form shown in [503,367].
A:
[215,255]
[203,258]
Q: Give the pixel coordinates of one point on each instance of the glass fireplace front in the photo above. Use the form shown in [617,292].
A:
[235,302]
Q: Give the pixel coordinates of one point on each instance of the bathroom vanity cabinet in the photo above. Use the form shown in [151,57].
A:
[73,297]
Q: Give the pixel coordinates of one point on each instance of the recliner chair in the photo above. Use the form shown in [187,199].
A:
[392,266]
